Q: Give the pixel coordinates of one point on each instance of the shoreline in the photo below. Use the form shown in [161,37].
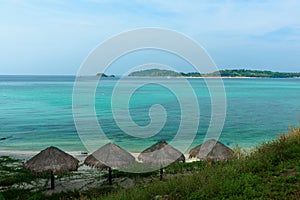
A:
[26,155]
[195,77]
[210,77]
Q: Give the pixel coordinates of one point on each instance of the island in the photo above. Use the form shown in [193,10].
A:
[104,75]
[155,73]
[254,73]
[223,73]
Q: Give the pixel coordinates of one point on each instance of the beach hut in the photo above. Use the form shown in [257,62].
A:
[211,150]
[161,154]
[54,160]
[110,156]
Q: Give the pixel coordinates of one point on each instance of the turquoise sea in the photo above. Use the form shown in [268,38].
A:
[36,112]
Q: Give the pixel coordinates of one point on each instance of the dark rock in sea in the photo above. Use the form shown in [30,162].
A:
[5,138]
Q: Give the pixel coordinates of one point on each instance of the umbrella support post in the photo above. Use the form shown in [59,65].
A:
[52,180]
[100,176]
[161,172]
[109,176]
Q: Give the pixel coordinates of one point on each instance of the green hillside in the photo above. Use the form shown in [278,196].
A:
[253,73]
[155,73]
[223,73]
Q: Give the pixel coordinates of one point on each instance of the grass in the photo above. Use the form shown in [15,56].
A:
[11,172]
[271,171]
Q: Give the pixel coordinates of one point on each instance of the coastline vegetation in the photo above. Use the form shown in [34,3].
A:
[271,171]
[253,73]
[222,73]
[155,73]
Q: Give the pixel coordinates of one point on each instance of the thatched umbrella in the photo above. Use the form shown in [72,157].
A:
[211,150]
[161,154]
[54,160]
[110,156]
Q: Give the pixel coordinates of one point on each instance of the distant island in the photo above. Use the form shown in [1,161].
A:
[222,73]
[155,73]
[254,73]
[104,75]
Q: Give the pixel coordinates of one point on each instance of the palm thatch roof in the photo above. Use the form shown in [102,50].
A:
[211,150]
[110,156]
[161,153]
[52,159]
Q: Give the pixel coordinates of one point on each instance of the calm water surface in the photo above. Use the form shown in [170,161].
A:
[36,112]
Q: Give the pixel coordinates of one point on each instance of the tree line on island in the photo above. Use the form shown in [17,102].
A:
[222,73]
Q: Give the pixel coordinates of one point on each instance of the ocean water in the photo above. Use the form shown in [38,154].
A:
[36,112]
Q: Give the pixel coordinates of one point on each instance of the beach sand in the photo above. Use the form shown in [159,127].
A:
[26,155]
[83,179]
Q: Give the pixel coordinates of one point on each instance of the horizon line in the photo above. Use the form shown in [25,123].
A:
[28,74]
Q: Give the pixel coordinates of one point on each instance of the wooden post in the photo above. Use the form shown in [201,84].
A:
[109,176]
[161,171]
[52,180]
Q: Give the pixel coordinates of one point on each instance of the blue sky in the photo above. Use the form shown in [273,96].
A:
[55,36]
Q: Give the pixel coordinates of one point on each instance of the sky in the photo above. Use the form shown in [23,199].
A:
[56,36]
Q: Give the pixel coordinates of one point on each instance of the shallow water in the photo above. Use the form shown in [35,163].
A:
[36,112]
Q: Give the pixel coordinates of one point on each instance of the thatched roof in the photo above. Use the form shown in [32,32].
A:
[52,159]
[110,155]
[161,153]
[211,150]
